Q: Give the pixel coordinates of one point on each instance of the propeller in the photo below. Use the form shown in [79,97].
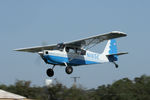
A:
[39,59]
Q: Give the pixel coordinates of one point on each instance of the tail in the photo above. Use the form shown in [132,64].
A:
[111,51]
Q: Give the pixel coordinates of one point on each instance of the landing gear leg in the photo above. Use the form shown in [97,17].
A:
[116,65]
[50,71]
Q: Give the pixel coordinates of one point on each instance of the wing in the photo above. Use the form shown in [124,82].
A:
[37,49]
[92,41]
[83,43]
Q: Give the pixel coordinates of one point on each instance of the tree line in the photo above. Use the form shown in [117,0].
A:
[123,89]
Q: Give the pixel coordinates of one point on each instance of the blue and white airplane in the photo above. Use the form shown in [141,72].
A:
[76,53]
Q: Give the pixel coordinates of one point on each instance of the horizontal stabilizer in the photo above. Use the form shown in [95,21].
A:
[118,54]
[114,57]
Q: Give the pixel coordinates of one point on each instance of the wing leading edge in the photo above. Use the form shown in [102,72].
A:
[82,43]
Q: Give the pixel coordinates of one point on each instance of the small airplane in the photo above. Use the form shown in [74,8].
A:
[76,53]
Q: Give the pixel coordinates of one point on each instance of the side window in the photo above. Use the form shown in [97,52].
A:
[76,50]
[83,52]
[70,50]
[80,52]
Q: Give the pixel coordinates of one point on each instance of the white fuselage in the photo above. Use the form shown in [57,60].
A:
[60,57]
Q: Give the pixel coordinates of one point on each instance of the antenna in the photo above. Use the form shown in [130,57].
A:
[75,80]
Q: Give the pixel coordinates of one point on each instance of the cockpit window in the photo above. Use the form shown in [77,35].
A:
[67,49]
[60,46]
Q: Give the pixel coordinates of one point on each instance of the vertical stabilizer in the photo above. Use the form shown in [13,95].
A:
[111,48]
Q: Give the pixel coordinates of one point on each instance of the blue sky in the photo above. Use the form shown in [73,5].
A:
[26,23]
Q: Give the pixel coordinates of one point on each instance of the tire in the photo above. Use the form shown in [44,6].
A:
[116,66]
[69,69]
[50,72]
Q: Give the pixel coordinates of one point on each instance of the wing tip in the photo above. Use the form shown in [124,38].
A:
[23,50]
[17,49]
[118,32]
[20,49]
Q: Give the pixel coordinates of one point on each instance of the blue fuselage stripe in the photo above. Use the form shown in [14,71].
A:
[74,62]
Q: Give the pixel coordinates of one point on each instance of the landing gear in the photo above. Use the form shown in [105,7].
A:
[69,69]
[116,65]
[50,72]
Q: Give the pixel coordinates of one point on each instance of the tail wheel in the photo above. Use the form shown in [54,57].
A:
[116,65]
[50,72]
[69,69]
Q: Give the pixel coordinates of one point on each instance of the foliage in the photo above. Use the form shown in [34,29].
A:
[123,89]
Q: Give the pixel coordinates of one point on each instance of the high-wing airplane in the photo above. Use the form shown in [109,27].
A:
[76,53]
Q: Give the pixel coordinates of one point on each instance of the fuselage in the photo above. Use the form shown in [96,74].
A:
[72,58]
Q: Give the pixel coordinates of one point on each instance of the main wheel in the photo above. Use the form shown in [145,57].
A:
[50,72]
[69,69]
